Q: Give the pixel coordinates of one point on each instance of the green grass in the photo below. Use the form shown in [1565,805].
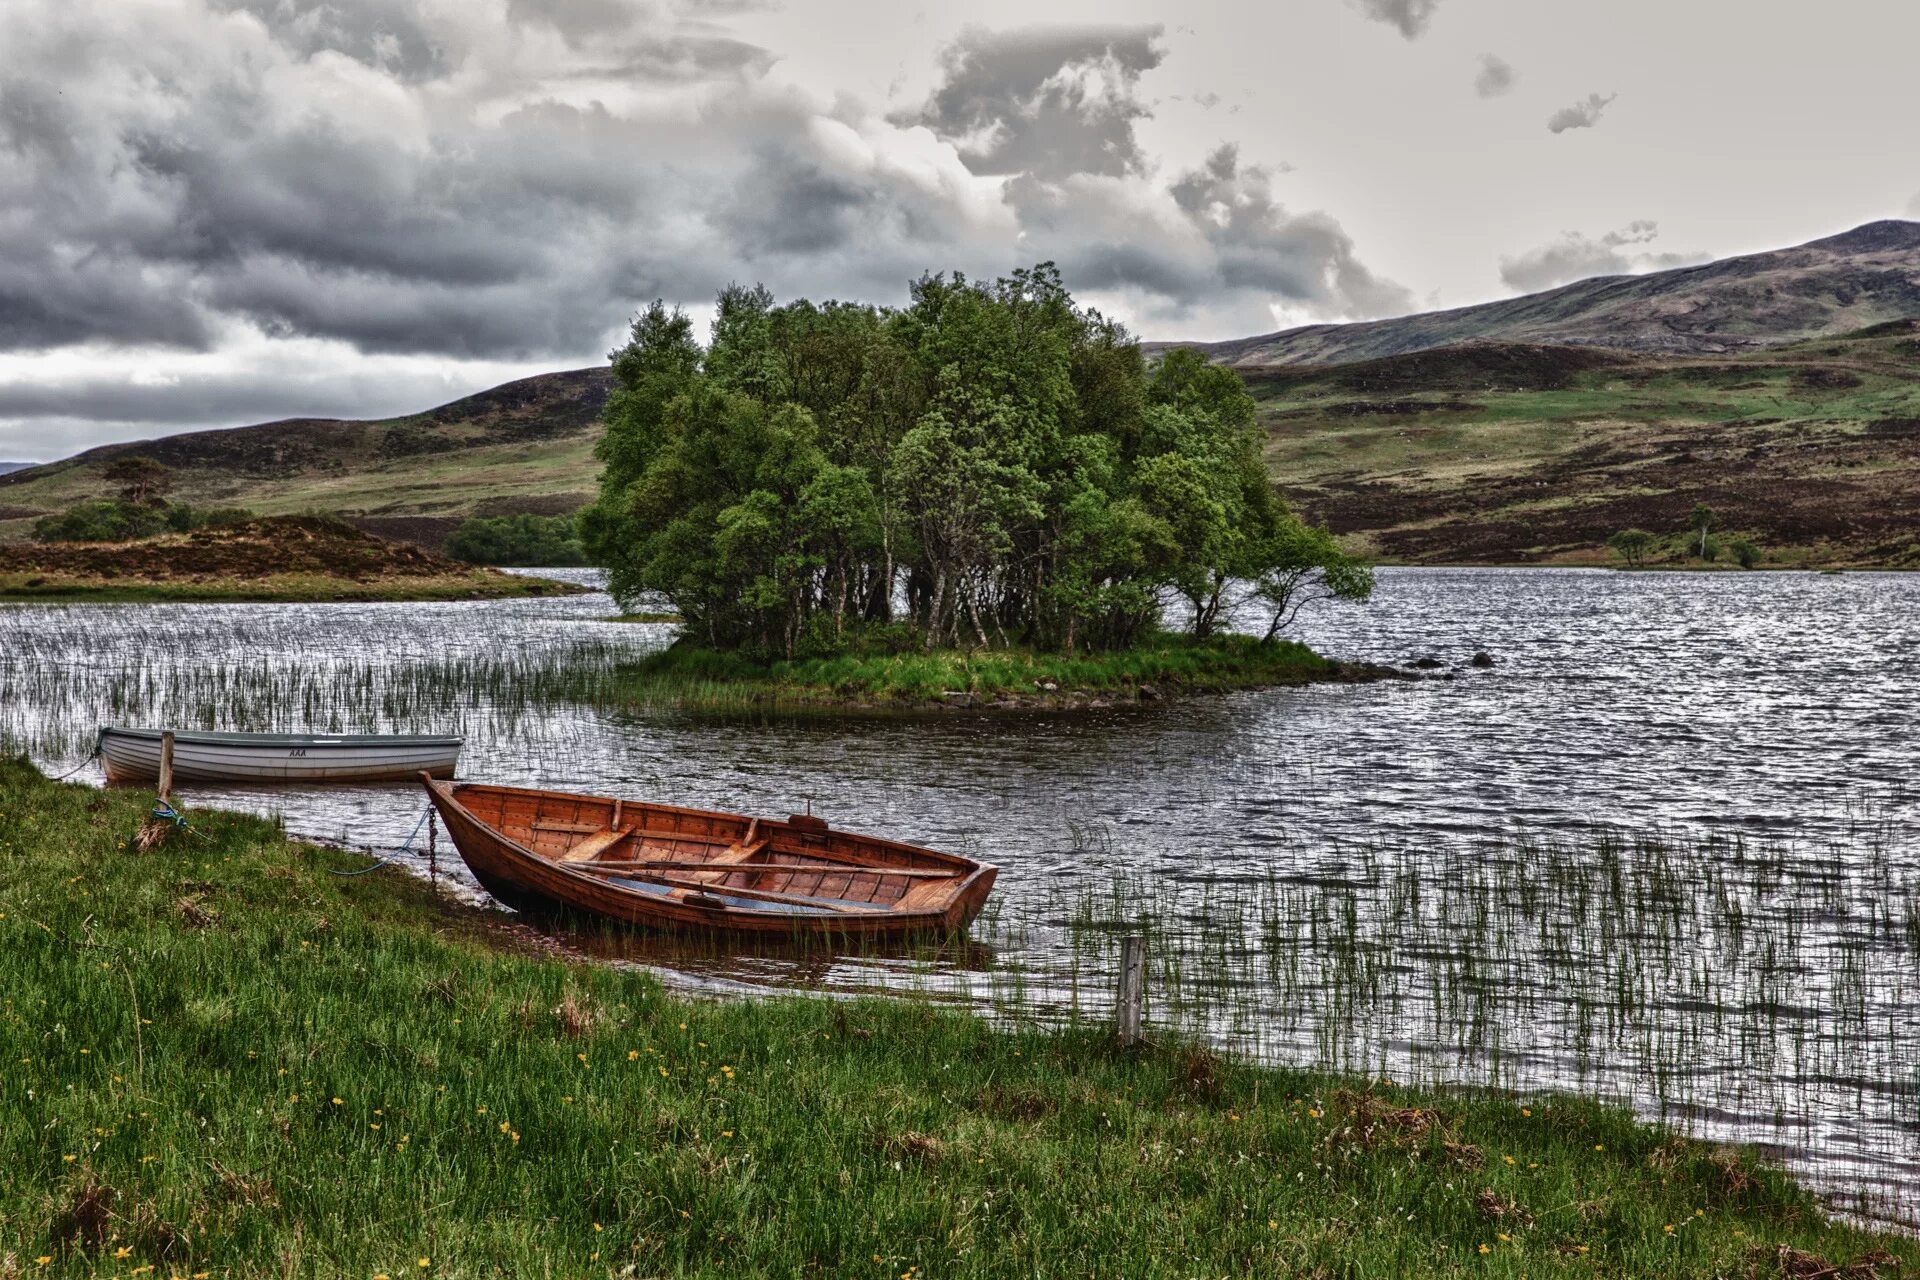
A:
[275,589]
[1167,664]
[220,1059]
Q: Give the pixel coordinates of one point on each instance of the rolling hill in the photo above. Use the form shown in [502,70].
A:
[524,446]
[1836,285]
[1781,388]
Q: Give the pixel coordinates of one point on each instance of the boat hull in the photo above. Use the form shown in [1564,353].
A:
[526,880]
[132,756]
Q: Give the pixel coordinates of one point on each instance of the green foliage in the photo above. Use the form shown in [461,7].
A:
[108,520]
[991,466]
[1700,521]
[121,520]
[1633,546]
[222,1059]
[1745,554]
[517,540]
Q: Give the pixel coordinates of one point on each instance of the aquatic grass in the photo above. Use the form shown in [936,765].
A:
[219,1059]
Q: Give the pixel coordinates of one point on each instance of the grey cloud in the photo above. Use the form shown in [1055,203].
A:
[1410,16]
[1583,114]
[388,34]
[1051,101]
[1496,77]
[1578,257]
[1233,244]
[486,193]
[1913,206]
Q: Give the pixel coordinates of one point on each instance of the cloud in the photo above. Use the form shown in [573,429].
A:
[1577,257]
[1581,115]
[1049,101]
[1913,206]
[1496,77]
[497,185]
[1410,16]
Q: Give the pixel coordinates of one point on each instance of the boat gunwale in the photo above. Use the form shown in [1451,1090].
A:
[225,738]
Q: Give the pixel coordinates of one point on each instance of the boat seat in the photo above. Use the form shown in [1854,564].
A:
[595,845]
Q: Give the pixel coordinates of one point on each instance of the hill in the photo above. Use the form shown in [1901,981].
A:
[522,447]
[1835,285]
[1515,453]
[278,558]
[6,467]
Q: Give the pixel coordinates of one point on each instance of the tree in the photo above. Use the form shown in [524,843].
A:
[1632,546]
[1745,554]
[140,479]
[1700,520]
[990,465]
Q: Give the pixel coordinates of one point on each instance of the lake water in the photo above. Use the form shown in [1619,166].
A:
[1662,850]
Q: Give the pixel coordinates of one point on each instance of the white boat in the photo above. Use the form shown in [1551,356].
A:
[133,755]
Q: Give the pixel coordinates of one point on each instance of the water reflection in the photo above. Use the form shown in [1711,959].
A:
[1415,878]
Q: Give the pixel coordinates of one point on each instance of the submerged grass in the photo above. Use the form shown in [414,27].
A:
[698,678]
[218,1059]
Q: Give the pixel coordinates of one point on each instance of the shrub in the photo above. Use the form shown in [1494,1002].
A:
[108,520]
[518,540]
[1745,554]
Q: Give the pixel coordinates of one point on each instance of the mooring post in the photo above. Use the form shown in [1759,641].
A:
[166,766]
[433,859]
[1131,994]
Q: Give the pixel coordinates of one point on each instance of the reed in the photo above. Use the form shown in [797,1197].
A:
[220,1059]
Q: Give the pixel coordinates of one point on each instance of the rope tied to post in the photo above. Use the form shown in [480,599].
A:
[381,862]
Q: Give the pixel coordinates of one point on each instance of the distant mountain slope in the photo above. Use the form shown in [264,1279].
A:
[1509,453]
[1836,285]
[524,446]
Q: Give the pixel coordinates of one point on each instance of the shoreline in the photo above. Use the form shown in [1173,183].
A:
[231,1112]
[943,682]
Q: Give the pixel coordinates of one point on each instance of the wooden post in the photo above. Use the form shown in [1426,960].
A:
[1131,994]
[166,766]
[433,850]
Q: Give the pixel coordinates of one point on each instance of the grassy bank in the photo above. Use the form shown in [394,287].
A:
[1166,666]
[288,588]
[219,1060]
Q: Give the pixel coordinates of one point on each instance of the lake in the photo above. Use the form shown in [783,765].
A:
[1662,850]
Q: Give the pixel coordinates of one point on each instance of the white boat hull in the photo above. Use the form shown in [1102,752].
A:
[133,756]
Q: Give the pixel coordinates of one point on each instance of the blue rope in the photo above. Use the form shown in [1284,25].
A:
[396,853]
[165,812]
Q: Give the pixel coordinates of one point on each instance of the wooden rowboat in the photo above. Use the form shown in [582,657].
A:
[133,755]
[657,866]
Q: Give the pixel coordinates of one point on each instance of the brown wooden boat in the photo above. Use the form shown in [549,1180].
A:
[657,866]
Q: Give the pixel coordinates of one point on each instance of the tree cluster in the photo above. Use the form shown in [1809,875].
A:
[991,465]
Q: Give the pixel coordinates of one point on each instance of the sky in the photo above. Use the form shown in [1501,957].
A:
[217,212]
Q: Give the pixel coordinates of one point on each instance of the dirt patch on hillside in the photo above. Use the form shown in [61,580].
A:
[300,545]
